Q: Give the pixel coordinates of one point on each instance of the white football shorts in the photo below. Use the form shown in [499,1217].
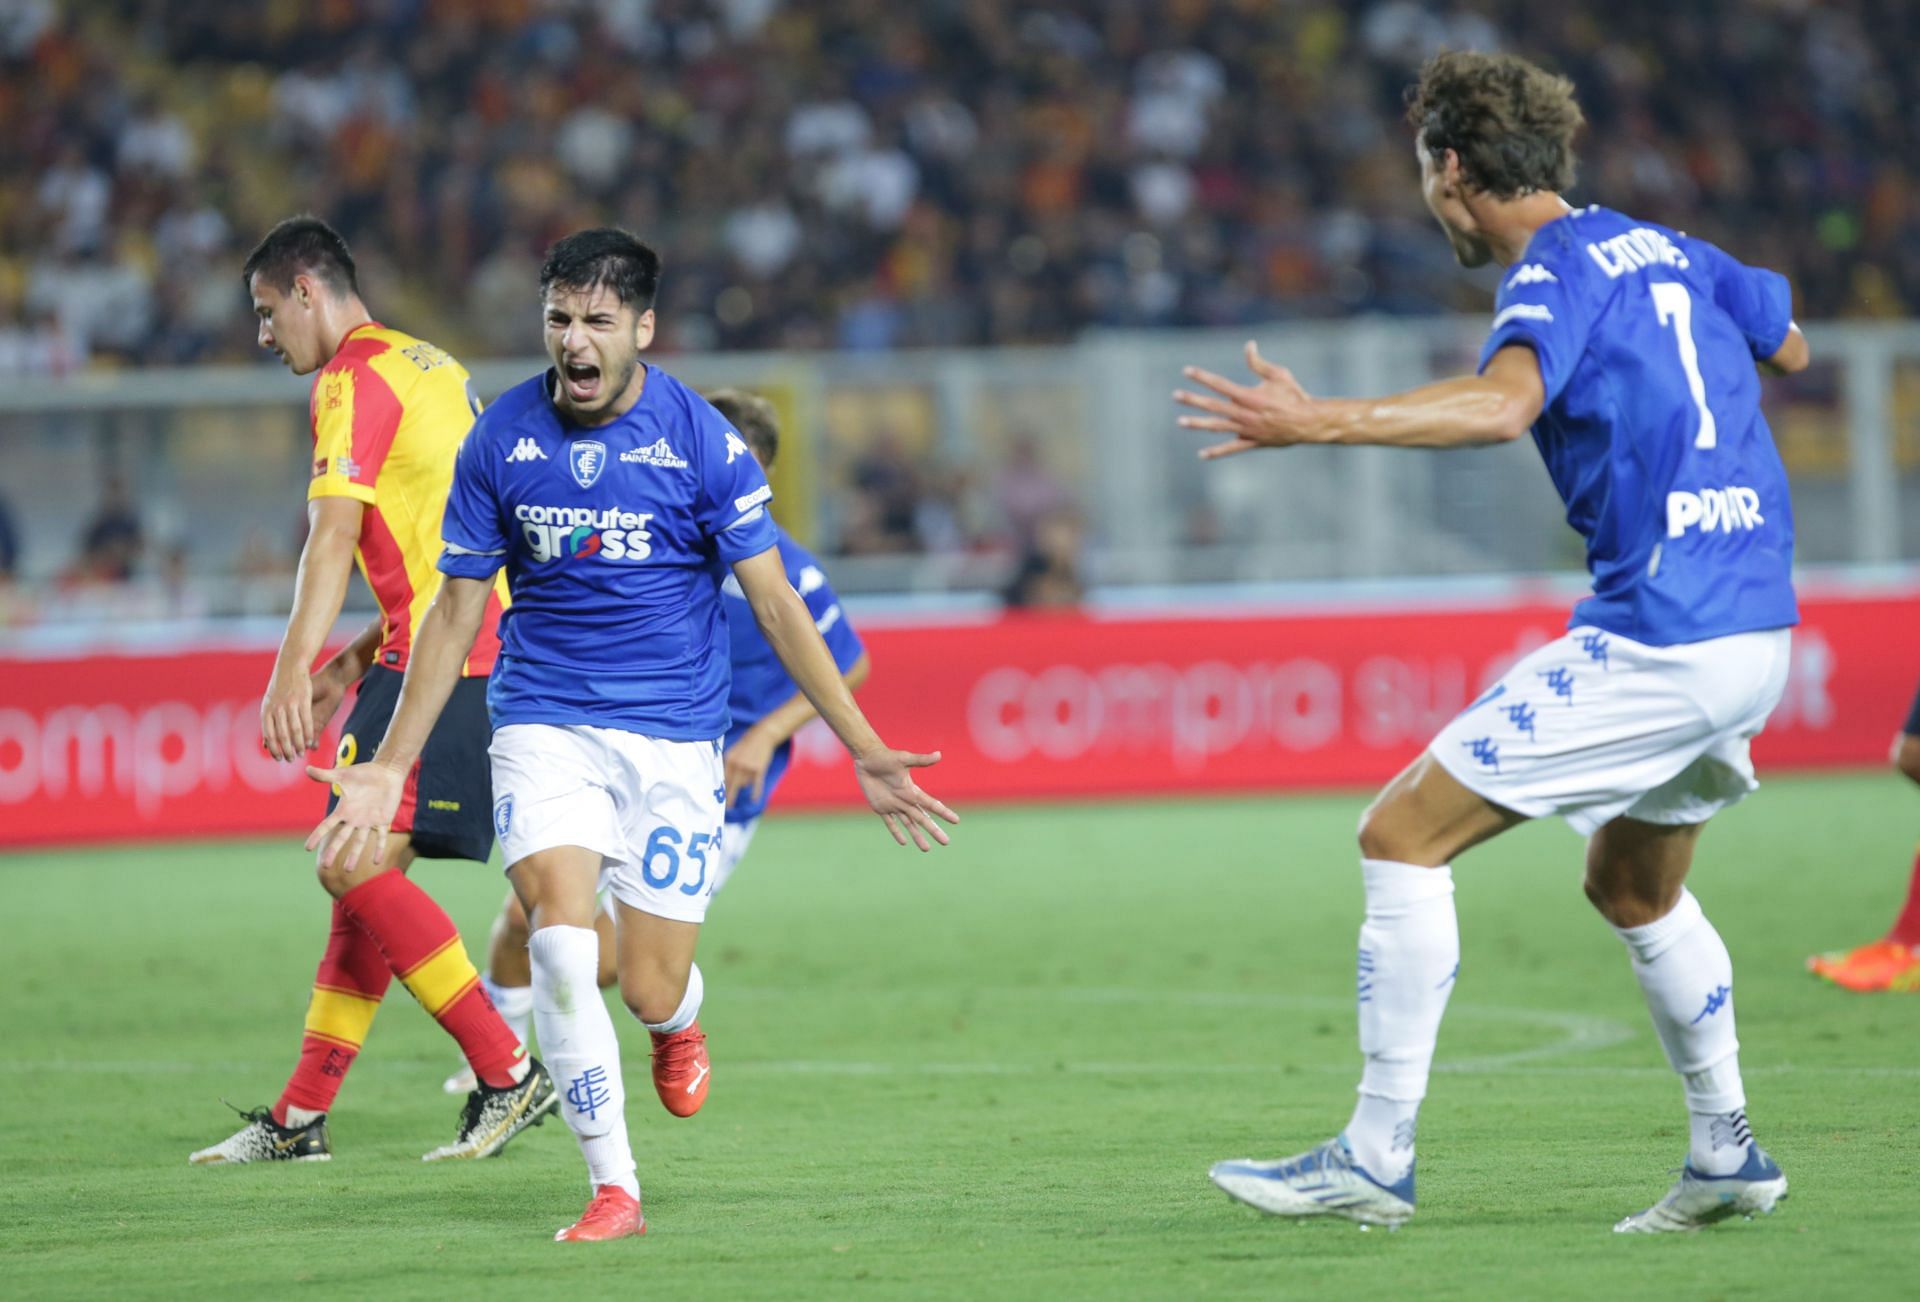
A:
[1593,726]
[651,808]
[733,848]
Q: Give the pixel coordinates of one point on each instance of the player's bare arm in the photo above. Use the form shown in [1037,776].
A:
[1496,406]
[344,668]
[885,775]
[748,759]
[1791,356]
[286,713]
[370,792]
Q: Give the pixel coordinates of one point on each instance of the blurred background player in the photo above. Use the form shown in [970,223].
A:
[615,498]
[389,411]
[1629,350]
[767,709]
[1893,961]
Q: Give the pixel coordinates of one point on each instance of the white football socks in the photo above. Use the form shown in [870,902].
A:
[1687,977]
[514,1004]
[581,1050]
[689,1005]
[1409,955]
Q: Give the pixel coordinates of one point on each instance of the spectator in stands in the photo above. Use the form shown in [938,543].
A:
[112,542]
[1048,572]
[969,173]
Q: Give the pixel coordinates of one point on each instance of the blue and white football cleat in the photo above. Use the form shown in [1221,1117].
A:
[1323,1181]
[1696,1200]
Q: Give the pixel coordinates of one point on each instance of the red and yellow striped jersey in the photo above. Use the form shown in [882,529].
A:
[389,412]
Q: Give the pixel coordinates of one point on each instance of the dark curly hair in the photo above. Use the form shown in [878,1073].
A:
[1511,123]
[604,256]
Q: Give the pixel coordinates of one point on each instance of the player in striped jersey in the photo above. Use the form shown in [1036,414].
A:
[389,412]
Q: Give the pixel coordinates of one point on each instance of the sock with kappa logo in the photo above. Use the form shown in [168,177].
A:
[1687,977]
[1409,957]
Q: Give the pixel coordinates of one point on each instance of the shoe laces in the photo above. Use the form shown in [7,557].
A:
[470,1111]
[676,1052]
[260,1116]
[606,1205]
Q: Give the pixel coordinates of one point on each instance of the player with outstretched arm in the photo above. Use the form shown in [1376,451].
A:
[1629,350]
[617,500]
[767,710]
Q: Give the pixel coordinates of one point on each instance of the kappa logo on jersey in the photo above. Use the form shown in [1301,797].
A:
[658,454]
[1532,274]
[587,458]
[735,448]
[558,533]
[526,450]
[1727,509]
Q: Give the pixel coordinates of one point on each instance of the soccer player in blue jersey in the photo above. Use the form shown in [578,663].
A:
[617,500]
[1629,350]
[767,708]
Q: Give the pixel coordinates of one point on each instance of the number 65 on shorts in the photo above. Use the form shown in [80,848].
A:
[652,808]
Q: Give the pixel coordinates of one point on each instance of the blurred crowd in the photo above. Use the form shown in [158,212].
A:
[858,174]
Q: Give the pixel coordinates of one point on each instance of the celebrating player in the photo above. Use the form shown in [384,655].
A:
[615,498]
[1629,350]
[1893,961]
[767,710]
[389,411]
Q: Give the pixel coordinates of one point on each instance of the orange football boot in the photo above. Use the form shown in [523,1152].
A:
[613,1214]
[1877,965]
[681,1070]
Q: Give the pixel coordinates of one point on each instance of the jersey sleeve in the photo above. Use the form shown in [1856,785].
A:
[732,503]
[1759,301]
[828,616]
[1539,307]
[471,527]
[355,416]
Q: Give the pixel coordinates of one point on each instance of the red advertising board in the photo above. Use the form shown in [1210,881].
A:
[109,746]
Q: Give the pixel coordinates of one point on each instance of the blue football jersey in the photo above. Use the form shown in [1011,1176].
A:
[1652,429]
[761,684]
[615,539]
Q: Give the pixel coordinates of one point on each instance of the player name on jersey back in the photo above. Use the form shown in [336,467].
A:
[1652,430]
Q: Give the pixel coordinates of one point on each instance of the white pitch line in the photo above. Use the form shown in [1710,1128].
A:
[1580,1033]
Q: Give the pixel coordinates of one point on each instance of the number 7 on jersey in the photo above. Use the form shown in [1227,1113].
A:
[1672,304]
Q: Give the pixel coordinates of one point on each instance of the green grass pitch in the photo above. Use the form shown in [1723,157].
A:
[996,1071]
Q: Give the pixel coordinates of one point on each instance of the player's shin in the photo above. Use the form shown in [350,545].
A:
[1684,971]
[347,989]
[423,949]
[581,1050]
[1409,956]
[513,1003]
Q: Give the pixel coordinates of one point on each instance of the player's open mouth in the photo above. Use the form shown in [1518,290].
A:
[582,382]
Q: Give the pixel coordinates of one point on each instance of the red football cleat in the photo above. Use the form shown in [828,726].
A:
[613,1214]
[681,1070]
[1877,965]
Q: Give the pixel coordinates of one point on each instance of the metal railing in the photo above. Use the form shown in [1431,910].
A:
[215,460]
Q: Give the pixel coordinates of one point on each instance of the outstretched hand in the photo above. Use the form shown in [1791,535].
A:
[1275,412]
[369,797]
[886,779]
